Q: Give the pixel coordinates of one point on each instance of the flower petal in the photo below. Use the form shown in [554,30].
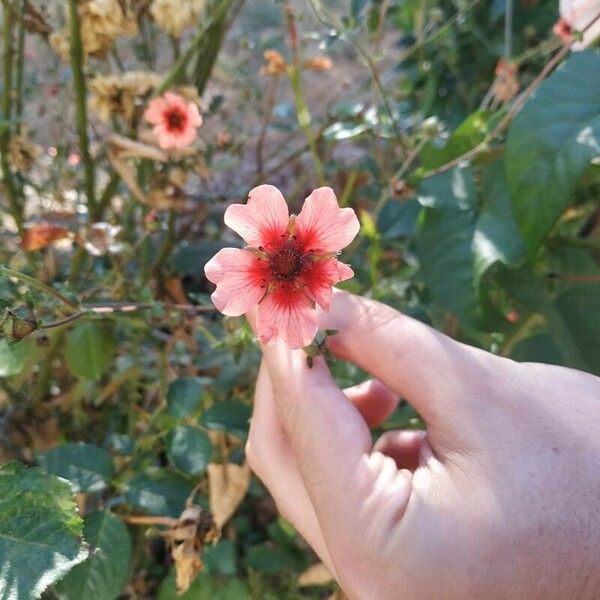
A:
[238,275]
[287,313]
[194,115]
[154,114]
[263,220]
[321,276]
[322,226]
[186,137]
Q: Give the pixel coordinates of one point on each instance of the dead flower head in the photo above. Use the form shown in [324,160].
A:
[22,153]
[186,540]
[318,63]
[101,23]
[173,16]
[119,95]
[275,64]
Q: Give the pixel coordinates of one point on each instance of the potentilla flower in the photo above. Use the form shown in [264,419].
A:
[289,265]
[175,120]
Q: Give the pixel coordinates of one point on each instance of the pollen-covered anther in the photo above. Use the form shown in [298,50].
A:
[286,262]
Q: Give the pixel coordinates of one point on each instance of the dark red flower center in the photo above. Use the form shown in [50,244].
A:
[286,262]
[175,119]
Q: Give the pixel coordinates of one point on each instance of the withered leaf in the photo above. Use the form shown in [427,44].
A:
[228,484]
[317,574]
[40,235]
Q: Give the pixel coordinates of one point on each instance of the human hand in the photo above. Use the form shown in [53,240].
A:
[500,499]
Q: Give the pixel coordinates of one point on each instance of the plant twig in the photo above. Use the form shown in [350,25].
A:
[40,285]
[175,74]
[506,120]
[80,88]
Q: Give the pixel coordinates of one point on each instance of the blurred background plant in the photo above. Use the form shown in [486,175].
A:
[463,133]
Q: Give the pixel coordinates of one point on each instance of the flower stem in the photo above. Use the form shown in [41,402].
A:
[20,68]
[15,207]
[304,120]
[80,88]
[177,71]
[36,283]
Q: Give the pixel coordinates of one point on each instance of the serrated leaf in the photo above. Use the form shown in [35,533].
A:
[231,416]
[102,575]
[551,142]
[40,531]
[89,349]
[159,491]
[184,395]
[189,449]
[88,467]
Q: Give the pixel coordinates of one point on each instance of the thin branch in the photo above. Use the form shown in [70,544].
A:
[36,283]
[77,59]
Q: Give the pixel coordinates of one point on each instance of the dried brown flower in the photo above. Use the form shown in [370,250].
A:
[318,63]
[173,16]
[22,153]
[275,64]
[120,94]
[101,23]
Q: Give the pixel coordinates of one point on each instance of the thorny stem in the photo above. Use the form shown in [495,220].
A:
[77,59]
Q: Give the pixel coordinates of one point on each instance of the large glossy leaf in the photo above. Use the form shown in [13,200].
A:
[88,467]
[444,241]
[551,142]
[496,237]
[104,573]
[159,492]
[90,349]
[184,395]
[40,531]
[189,449]
[231,416]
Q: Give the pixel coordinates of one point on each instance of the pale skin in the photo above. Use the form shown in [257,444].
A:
[498,500]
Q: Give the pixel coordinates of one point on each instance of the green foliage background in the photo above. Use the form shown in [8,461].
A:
[479,216]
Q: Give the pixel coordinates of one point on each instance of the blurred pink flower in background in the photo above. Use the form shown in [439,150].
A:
[578,15]
[289,265]
[174,119]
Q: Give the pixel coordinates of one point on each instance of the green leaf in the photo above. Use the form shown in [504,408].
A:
[88,467]
[102,575]
[90,349]
[184,395]
[220,558]
[204,587]
[159,491]
[231,416]
[496,237]
[189,449]
[465,137]
[13,357]
[444,241]
[268,559]
[551,142]
[40,531]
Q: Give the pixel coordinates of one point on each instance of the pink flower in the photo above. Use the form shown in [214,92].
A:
[578,15]
[289,264]
[175,120]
